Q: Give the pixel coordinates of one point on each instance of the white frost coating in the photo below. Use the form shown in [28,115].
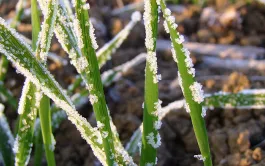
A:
[93,99]
[151,140]
[22,101]
[157,124]
[166,26]
[149,40]
[86,6]
[180,40]
[167,11]
[60,99]
[46,33]
[78,32]
[187,107]
[136,16]
[149,164]
[197,92]
[158,108]
[92,36]
[203,114]
[199,157]
[16,145]
[100,125]
[152,61]
[5,127]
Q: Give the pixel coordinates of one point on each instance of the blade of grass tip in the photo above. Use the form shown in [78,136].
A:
[22,57]
[105,52]
[28,105]
[191,89]
[4,62]
[7,139]
[42,53]
[151,124]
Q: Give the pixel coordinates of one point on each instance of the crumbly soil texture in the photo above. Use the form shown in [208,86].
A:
[236,136]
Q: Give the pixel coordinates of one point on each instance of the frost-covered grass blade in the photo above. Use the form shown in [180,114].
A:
[7,139]
[21,55]
[150,139]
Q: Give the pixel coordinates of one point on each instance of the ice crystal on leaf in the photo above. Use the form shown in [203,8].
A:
[154,141]
[197,92]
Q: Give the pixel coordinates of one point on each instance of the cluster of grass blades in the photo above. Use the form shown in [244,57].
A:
[74,31]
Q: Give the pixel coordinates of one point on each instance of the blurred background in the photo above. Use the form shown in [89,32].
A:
[227,43]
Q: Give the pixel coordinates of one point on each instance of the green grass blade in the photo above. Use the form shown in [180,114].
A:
[46,128]
[27,110]
[191,90]
[38,144]
[7,139]
[150,137]
[86,42]
[21,55]
[28,105]
[105,52]
[246,99]
[42,53]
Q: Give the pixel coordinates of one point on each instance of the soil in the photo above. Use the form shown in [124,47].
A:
[236,136]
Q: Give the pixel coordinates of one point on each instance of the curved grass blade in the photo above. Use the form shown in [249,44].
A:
[151,125]
[21,55]
[28,105]
[87,43]
[191,90]
[7,139]
[105,52]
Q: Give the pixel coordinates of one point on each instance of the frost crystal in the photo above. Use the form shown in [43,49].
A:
[78,32]
[167,12]
[187,107]
[136,16]
[157,124]
[100,125]
[199,157]
[180,40]
[203,114]
[92,35]
[197,92]
[86,6]
[149,40]
[93,99]
[152,60]
[166,26]
[151,140]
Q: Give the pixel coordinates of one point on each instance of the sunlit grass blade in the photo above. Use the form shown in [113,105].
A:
[191,89]
[22,57]
[7,96]
[38,144]
[28,105]
[151,124]
[86,42]
[105,52]
[27,110]
[246,99]
[43,47]
[7,139]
